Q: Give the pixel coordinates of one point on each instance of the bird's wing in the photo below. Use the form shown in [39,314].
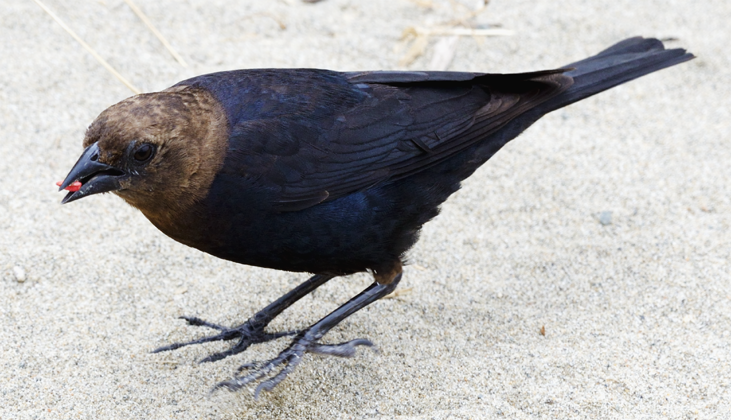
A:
[391,125]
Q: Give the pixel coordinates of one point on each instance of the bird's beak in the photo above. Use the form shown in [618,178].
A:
[95,177]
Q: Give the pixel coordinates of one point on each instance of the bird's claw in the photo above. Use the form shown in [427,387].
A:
[288,359]
[248,333]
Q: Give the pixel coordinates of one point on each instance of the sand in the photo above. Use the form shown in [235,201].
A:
[605,225]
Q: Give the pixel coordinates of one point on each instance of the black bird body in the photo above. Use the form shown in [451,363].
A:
[319,171]
[333,173]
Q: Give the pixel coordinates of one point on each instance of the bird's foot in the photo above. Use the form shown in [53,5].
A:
[251,331]
[248,333]
[275,370]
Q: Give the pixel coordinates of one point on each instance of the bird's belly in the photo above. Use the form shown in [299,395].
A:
[343,236]
[361,231]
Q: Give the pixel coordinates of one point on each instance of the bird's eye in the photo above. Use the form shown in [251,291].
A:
[144,152]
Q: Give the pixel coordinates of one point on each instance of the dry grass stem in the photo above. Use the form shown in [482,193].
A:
[415,51]
[421,36]
[461,32]
[157,33]
[418,37]
[464,20]
[398,293]
[427,4]
[91,51]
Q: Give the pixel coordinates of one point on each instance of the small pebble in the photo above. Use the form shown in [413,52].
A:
[605,218]
[19,274]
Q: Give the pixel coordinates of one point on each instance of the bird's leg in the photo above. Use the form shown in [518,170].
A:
[307,341]
[251,331]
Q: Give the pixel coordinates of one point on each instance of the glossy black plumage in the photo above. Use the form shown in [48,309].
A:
[331,174]
[339,171]
[325,172]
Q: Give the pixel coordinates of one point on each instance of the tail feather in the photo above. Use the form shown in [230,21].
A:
[620,63]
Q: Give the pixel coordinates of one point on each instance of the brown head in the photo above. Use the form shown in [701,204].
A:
[158,151]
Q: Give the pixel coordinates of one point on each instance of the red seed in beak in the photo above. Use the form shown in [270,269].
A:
[73,187]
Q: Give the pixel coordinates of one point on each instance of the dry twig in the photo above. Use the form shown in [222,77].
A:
[398,292]
[157,33]
[418,37]
[442,31]
[88,48]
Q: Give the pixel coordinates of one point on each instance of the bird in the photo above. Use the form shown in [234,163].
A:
[322,172]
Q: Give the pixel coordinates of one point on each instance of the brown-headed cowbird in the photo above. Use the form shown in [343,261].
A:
[319,171]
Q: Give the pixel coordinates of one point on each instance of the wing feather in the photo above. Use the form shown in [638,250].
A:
[352,131]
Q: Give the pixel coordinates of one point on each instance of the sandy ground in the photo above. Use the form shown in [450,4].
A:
[636,312]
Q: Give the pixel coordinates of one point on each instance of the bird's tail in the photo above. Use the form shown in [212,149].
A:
[620,63]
